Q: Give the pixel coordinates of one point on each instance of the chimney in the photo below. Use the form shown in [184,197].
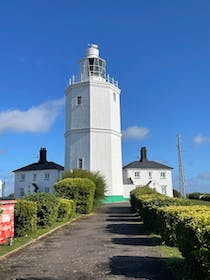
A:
[43,155]
[143,154]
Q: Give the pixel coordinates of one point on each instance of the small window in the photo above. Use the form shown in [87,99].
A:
[162,175]
[47,176]
[164,190]
[137,175]
[80,163]
[150,175]
[114,96]
[79,100]
[34,177]
[22,192]
[47,190]
[22,177]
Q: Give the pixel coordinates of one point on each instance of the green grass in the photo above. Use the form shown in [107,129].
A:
[20,241]
[171,256]
[200,202]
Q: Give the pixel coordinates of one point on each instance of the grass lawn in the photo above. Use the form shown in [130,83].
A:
[171,256]
[21,241]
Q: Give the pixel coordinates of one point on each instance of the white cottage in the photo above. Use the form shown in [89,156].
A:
[145,172]
[37,177]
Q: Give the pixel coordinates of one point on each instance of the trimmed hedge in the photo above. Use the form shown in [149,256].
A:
[25,217]
[80,190]
[97,178]
[179,223]
[47,208]
[66,209]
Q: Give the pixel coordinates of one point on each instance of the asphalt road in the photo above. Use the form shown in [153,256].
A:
[109,245]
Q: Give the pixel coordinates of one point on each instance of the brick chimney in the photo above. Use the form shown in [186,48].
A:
[143,154]
[43,155]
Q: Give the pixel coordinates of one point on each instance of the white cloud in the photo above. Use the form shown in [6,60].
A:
[199,139]
[136,132]
[35,119]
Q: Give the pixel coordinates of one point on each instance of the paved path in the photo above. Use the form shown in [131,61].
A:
[109,245]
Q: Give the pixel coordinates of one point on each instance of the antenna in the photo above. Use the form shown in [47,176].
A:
[182,186]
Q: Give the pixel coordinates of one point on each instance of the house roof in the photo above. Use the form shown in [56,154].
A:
[42,164]
[144,163]
[147,165]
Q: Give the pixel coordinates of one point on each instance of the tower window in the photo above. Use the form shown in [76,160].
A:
[114,96]
[80,163]
[79,100]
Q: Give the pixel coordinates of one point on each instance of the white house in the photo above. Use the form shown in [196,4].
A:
[93,129]
[145,172]
[37,177]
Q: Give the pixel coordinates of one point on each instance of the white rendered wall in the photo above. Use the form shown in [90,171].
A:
[41,181]
[93,131]
[156,180]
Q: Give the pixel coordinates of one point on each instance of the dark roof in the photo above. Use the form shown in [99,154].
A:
[147,165]
[41,166]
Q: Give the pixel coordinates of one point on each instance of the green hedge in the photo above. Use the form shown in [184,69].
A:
[25,217]
[80,190]
[180,223]
[66,209]
[97,178]
[47,208]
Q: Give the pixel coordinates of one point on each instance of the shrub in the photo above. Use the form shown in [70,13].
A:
[195,195]
[205,197]
[47,208]
[25,217]
[80,190]
[66,209]
[96,177]
[176,193]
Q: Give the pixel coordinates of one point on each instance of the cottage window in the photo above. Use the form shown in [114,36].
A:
[137,175]
[162,175]
[22,177]
[34,177]
[150,175]
[164,190]
[22,192]
[47,176]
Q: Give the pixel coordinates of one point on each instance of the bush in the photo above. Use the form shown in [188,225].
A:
[66,209]
[80,190]
[96,177]
[195,195]
[25,217]
[176,193]
[47,208]
[205,197]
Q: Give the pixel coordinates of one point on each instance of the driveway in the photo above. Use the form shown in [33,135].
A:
[112,244]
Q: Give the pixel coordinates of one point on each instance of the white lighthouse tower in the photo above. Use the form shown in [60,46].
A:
[93,131]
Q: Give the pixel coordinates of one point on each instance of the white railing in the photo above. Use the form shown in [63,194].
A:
[75,79]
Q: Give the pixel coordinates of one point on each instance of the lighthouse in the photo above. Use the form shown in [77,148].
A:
[93,129]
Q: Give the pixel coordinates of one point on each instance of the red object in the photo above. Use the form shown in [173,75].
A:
[6,220]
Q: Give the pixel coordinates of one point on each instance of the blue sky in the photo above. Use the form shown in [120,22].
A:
[159,51]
